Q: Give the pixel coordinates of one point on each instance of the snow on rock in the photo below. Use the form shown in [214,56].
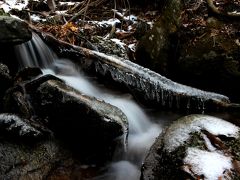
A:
[211,165]
[13,123]
[191,148]
[179,132]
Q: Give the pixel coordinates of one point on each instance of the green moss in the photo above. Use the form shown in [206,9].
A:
[234,146]
[2,13]
[172,14]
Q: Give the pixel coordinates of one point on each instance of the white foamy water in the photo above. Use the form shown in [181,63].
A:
[142,132]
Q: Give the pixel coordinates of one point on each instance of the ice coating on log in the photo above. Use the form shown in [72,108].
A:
[155,87]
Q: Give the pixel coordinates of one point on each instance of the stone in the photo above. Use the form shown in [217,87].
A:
[195,147]
[15,127]
[13,31]
[42,160]
[85,123]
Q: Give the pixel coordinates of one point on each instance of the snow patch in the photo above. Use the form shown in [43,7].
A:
[110,22]
[210,164]
[68,3]
[179,132]
[119,43]
[132,47]
[13,122]
[131,18]
[13,4]
[35,18]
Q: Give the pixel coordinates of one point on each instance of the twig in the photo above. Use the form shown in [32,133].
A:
[85,12]
[76,6]
[115,8]
[95,3]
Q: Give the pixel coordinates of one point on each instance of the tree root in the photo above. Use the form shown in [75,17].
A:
[215,10]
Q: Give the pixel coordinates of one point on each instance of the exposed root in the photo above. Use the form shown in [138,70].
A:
[215,10]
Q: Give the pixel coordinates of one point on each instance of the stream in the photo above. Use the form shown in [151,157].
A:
[144,124]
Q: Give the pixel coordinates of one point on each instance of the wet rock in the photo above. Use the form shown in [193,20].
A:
[17,101]
[27,74]
[18,128]
[13,31]
[194,47]
[195,147]
[89,125]
[42,160]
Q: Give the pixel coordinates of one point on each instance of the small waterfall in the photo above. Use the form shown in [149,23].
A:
[34,53]
[142,132]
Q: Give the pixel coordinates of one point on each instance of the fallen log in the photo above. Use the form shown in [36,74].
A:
[156,90]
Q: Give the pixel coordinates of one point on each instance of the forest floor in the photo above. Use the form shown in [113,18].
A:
[101,25]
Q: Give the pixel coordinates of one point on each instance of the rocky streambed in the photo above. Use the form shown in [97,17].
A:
[50,130]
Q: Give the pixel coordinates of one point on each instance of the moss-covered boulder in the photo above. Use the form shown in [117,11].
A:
[41,160]
[194,45]
[195,147]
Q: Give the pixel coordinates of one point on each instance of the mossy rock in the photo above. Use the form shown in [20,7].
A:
[13,31]
[195,147]
[154,48]
[41,160]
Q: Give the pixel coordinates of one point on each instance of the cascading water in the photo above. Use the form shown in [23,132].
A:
[34,53]
[142,131]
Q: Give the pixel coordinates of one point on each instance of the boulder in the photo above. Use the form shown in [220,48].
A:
[195,147]
[16,99]
[41,160]
[13,31]
[85,123]
[192,45]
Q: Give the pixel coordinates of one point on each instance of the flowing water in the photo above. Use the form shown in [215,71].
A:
[142,127]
